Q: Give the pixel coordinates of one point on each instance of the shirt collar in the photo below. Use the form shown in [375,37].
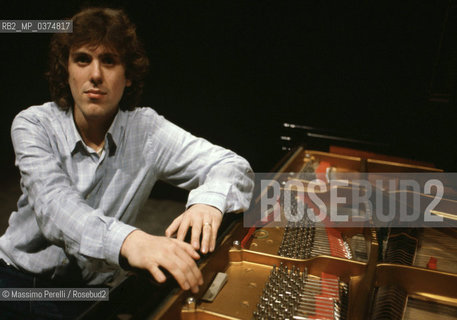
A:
[113,135]
[116,131]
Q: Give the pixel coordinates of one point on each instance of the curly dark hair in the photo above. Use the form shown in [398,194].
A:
[98,26]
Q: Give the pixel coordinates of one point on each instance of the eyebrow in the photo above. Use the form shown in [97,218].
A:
[107,54]
[77,54]
[110,55]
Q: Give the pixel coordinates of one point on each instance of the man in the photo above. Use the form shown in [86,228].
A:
[89,159]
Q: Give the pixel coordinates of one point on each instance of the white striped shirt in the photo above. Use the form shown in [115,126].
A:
[76,206]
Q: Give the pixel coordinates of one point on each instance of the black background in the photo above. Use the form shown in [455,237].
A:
[234,71]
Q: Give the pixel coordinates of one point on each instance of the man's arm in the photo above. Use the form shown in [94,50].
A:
[66,220]
[63,216]
[221,181]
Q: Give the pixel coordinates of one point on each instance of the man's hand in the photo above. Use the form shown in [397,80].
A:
[204,220]
[148,252]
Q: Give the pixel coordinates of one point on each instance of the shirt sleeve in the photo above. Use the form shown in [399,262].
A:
[216,176]
[63,216]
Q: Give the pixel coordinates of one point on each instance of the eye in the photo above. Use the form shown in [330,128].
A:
[82,59]
[108,60]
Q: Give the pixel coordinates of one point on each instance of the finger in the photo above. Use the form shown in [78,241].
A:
[173,266]
[185,270]
[173,226]
[157,274]
[190,250]
[185,223]
[196,231]
[193,274]
[214,229]
[206,236]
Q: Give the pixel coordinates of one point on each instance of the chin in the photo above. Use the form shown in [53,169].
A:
[99,110]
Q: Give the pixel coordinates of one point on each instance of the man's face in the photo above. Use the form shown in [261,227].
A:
[97,81]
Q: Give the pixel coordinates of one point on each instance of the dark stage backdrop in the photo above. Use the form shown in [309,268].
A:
[233,71]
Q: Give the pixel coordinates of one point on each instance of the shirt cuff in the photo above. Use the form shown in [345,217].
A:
[114,240]
[213,199]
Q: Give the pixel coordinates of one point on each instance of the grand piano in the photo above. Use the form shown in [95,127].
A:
[312,270]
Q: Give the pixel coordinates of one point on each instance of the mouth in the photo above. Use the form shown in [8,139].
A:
[94,93]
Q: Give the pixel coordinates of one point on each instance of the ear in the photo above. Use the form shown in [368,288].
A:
[128,83]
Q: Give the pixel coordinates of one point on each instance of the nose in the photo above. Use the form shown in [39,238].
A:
[96,75]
